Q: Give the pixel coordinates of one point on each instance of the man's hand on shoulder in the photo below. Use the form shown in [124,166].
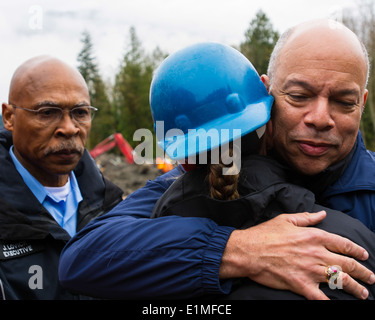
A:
[286,253]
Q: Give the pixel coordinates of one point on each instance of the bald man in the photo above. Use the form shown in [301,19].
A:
[318,74]
[49,185]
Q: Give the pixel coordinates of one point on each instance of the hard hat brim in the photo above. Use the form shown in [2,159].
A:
[216,133]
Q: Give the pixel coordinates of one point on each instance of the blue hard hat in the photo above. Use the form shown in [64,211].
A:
[202,87]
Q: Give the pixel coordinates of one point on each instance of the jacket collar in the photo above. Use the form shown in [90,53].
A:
[355,172]
[319,183]
[21,214]
[359,174]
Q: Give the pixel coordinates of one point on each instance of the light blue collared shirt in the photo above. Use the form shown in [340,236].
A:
[64,212]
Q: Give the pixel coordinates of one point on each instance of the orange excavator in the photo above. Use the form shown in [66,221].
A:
[118,140]
[164,165]
[112,141]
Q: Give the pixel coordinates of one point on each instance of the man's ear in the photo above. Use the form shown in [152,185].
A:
[8,116]
[266,80]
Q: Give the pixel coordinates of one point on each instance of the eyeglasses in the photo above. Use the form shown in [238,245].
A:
[47,115]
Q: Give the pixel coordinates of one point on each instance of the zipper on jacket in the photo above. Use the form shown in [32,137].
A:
[2,290]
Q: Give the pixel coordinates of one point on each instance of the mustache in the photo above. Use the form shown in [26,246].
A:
[66,147]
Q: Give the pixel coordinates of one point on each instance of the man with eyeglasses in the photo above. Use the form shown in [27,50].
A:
[49,185]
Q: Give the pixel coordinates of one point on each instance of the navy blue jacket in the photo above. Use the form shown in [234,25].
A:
[125,254]
[30,239]
[354,192]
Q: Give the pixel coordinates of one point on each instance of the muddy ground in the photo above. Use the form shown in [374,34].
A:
[129,177]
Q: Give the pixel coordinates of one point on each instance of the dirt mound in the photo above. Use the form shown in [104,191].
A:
[129,177]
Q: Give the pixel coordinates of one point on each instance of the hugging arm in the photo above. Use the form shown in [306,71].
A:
[125,254]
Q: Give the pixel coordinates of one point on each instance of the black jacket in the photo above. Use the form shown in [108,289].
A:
[30,239]
[266,190]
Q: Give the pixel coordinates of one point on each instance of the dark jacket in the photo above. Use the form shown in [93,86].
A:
[104,258]
[266,191]
[354,192]
[30,239]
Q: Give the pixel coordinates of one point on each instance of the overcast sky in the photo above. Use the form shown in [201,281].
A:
[33,27]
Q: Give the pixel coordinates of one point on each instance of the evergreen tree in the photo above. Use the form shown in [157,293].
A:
[362,22]
[87,66]
[103,125]
[131,90]
[260,39]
